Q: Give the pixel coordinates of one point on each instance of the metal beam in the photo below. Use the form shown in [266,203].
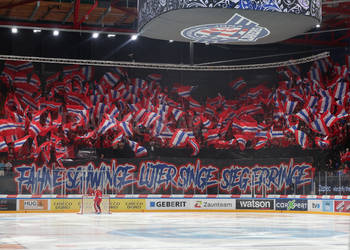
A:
[66,27]
[335,2]
[105,13]
[35,10]
[12,5]
[68,14]
[335,10]
[76,14]
[48,11]
[316,42]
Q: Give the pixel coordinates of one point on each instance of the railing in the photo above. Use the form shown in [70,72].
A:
[63,182]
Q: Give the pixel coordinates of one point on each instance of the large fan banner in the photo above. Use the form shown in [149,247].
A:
[166,176]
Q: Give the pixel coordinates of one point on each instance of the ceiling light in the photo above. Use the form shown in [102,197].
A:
[134,37]
[36,31]
[111,35]
[95,35]
[56,33]
[14,30]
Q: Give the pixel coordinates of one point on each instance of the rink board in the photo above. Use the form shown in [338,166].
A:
[192,203]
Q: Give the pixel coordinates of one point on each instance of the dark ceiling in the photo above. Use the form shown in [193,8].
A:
[82,17]
[120,16]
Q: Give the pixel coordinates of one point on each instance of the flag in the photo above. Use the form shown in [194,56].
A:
[319,126]
[126,128]
[325,104]
[212,135]
[35,129]
[206,122]
[329,119]
[67,70]
[3,145]
[8,128]
[80,111]
[177,113]
[340,90]
[322,142]
[184,91]
[304,115]
[18,144]
[150,118]
[51,105]
[241,140]
[260,144]
[194,105]
[105,125]
[155,77]
[86,136]
[301,138]
[238,84]
[311,101]
[110,79]
[45,148]
[178,139]
[53,78]
[294,69]
[290,106]
[194,145]
[118,138]
[87,72]
[138,150]
[19,66]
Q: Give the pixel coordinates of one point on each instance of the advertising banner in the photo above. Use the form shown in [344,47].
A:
[260,204]
[212,204]
[327,206]
[320,205]
[342,206]
[291,204]
[7,205]
[32,204]
[168,204]
[132,205]
[65,204]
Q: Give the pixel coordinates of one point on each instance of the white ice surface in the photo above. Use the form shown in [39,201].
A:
[159,231]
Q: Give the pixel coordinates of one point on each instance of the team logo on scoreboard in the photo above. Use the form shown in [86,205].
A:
[236,29]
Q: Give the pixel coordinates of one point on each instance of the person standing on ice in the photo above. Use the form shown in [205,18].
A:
[97,201]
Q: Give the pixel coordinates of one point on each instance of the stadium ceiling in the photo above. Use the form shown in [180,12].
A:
[120,17]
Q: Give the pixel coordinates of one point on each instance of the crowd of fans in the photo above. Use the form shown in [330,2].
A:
[50,120]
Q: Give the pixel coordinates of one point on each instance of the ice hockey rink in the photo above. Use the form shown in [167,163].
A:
[174,231]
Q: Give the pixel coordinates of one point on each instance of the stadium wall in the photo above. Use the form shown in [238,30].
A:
[334,205]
